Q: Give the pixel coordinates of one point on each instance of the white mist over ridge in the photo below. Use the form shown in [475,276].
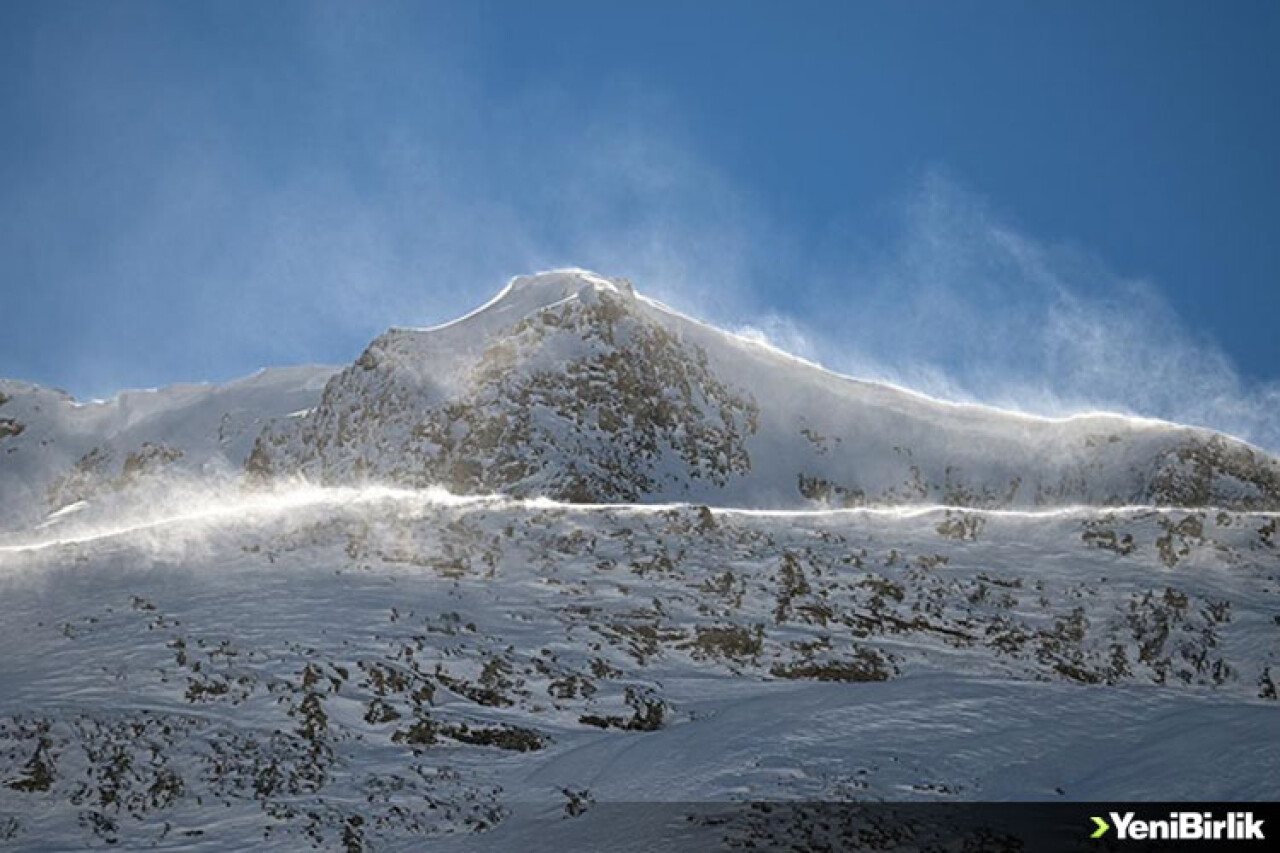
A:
[573,386]
[56,451]
[169,521]
[963,305]
[172,514]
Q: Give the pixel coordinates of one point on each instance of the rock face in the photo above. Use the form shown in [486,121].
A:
[571,386]
[1200,470]
[583,400]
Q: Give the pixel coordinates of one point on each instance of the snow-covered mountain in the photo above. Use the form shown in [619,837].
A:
[372,669]
[573,386]
[248,616]
[56,451]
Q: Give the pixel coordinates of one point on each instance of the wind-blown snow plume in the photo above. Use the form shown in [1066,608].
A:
[176,516]
[183,523]
[963,305]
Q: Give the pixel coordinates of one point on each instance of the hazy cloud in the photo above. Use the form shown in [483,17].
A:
[237,232]
[963,305]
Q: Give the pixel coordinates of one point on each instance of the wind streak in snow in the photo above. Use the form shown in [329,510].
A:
[218,508]
[199,513]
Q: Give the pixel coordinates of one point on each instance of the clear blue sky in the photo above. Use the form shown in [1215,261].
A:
[917,189]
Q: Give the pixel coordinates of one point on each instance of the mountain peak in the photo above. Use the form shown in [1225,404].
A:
[526,294]
[529,294]
[554,285]
[569,385]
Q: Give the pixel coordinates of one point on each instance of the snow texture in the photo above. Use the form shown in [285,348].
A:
[574,550]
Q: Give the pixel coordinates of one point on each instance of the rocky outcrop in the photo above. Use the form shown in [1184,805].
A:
[586,400]
[571,386]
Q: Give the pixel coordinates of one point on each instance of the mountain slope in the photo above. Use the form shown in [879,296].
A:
[203,653]
[55,451]
[379,670]
[572,386]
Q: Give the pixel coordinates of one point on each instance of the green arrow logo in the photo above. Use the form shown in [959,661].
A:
[1103,826]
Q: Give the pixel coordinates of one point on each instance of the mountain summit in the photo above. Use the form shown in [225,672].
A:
[566,385]
[195,661]
[571,385]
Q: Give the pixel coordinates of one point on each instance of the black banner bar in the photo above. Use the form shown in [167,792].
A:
[918,827]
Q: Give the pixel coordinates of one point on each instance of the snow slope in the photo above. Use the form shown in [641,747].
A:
[381,669]
[573,569]
[55,451]
[570,385]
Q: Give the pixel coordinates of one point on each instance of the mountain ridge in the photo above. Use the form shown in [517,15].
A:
[574,386]
[227,627]
[58,450]
[568,343]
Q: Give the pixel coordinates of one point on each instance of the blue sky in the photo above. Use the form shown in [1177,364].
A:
[1050,205]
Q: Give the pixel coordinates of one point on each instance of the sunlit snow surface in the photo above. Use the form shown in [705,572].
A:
[229,668]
